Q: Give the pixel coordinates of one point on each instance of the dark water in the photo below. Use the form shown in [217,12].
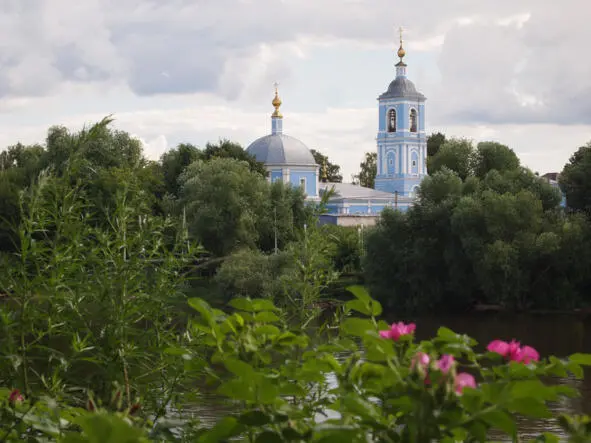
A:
[559,335]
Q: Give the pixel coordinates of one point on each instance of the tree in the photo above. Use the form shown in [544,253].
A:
[455,154]
[174,162]
[329,170]
[368,170]
[496,239]
[223,200]
[492,155]
[434,142]
[575,180]
[228,149]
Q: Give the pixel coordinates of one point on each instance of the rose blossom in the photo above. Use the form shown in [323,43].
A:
[398,330]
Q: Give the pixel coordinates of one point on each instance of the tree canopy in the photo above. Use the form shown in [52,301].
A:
[575,180]
[368,170]
[331,171]
[485,231]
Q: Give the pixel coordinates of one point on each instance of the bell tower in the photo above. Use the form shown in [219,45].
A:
[401,140]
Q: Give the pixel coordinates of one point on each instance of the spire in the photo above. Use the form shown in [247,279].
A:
[276,117]
[276,103]
[401,66]
[324,168]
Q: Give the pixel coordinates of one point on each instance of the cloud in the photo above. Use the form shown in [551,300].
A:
[183,70]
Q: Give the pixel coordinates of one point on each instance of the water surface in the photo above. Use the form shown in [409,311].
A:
[559,335]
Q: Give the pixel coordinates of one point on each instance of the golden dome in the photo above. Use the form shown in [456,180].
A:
[276,104]
[401,52]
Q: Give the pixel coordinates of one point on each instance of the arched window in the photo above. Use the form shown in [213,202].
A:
[391,163]
[392,120]
[413,120]
[414,162]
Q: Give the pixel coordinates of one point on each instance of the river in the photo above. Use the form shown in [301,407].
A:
[559,335]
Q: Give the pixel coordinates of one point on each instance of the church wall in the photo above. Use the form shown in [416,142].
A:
[310,176]
[276,175]
[383,113]
[362,209]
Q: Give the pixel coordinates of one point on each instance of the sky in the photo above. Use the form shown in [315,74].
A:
[194,71]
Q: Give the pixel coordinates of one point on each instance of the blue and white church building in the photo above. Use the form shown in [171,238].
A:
[401,157]
[286,158]
[402,140]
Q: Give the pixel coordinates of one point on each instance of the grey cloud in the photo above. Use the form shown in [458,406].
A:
[490,73]
[536,73]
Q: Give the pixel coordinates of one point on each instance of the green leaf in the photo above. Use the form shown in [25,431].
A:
[546,437]
[500,420]
[266,317]
[268,437]
[202,307]
[357,327]
[267,392]
[533,389]
[328,433]
[530,407]
[371,308]
[581,359]
[446,334]
[262,304]
[358,306]
[360,293]
[290,434]
[238,389]
[575,369]
[254,418]
[358,406]
[99,428]
[238,367]
[227,427]
[242,304]
[268,330]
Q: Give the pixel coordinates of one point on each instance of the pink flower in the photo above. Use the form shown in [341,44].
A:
[513,351]
[397,330]
[464,380]
[528,354]
[498,346]
[15,397]
[445,363]
[421,360]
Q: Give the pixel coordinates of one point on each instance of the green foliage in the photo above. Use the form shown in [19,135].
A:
[575,180]
[434,142]
[228,206]
[368,170]
[174,162]
[491,155]
[455,154]
[223,199]
[329,170]
[345,249]
[494,239]
[251,273]
[228,149]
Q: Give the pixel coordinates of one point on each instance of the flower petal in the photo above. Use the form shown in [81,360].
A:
[498,346]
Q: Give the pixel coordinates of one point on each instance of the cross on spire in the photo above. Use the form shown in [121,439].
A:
[401,52]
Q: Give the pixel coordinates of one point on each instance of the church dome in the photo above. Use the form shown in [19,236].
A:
[281,149]
[401,87]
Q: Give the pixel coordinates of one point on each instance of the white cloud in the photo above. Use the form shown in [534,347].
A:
[195,71]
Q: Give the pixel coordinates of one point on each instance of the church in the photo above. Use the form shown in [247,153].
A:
[401,157]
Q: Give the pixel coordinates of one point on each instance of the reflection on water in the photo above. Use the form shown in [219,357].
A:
[558,335]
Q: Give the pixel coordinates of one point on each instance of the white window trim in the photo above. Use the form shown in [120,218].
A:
[304,182]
